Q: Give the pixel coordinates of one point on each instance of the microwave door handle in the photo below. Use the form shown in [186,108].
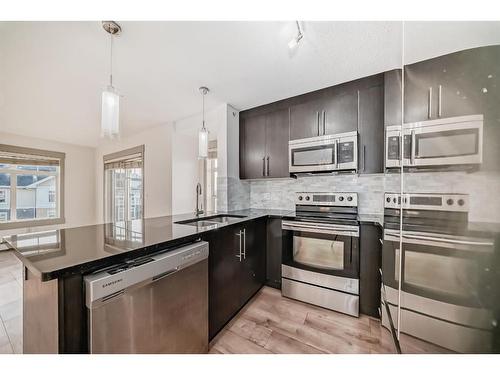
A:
[429,106]
[440,89]
[412,162]
[447,240]
[336,146]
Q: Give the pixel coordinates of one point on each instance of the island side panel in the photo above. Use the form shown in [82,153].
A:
[40,315]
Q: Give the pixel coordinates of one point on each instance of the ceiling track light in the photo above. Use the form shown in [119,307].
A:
[110,112]
[296,40]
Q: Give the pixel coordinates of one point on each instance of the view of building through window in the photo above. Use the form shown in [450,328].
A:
[28,192]
[123,186]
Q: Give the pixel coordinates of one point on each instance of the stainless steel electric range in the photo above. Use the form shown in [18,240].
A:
[436,274]
[320,262]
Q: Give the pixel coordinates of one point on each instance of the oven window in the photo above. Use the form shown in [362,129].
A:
[318,252]
[446,143]
[447,275]
[317,155]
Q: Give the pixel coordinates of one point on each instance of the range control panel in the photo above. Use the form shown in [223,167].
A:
[422,201]
[326,199]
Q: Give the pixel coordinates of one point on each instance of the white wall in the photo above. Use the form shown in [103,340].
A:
[79,178]
[185,174]
[157,169]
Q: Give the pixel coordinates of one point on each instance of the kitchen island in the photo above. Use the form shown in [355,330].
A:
[55,262]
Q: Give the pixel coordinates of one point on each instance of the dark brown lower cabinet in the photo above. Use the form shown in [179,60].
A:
[369,274]
[273,253]
[233,281]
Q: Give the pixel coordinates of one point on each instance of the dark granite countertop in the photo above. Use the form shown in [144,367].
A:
[56,253]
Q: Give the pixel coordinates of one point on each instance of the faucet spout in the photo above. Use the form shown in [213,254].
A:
[199,207]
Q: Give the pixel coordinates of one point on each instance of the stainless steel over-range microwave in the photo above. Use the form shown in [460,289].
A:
[441,142]
[327,153]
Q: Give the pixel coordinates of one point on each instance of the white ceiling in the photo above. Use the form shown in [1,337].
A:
[52,73]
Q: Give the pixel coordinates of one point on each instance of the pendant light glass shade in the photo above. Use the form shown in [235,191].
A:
[110,113]
[203,143]
[203,133]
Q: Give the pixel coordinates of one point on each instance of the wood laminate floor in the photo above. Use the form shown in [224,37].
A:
[270,323]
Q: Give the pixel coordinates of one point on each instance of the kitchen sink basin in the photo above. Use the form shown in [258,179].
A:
[211,220]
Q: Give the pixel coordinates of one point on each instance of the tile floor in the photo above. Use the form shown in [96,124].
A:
[11,297]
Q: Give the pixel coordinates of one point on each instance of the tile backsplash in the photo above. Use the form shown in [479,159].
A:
[279,194]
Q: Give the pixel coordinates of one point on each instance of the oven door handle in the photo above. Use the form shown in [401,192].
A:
[447,240]
[319,228]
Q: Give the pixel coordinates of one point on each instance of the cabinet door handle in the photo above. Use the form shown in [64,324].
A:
[440,88]
[429,107]
[244,243]
[324,122]
[267,174]
[317,120]
[239,242]
[264,166]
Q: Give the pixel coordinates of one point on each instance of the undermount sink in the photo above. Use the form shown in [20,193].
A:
[211,220]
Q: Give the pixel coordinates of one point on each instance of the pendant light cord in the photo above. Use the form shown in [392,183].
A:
[203,109]
[111,61]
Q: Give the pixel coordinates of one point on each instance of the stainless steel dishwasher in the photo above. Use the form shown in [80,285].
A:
[153,304]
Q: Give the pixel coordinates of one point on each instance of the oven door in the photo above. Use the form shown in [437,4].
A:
[323,248]
[445,268]
[446,142]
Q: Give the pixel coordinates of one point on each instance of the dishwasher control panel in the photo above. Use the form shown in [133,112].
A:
[113,281]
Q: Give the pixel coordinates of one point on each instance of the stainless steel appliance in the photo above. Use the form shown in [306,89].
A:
[327,153]
[441,142]
[320,262]
[443,270]
[154,304]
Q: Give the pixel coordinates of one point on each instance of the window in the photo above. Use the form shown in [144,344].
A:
[123,185]
[209,174]
[31,187]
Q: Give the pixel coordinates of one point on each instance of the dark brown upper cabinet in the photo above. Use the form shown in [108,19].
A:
[449,85]
[458,84]
[340,114]
[371,130]
[352,106]
[392,97]
[331,114]
[277,137]
[305,119]
[264,144]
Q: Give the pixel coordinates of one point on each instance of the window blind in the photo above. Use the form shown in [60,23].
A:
[23,156]
[126,159]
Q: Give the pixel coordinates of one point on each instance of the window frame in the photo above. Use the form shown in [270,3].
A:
[117,156]
[61,157]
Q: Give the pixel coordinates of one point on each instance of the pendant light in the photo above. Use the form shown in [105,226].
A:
[110,112]
[203,134]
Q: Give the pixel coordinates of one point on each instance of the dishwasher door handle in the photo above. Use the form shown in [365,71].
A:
[165,274]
